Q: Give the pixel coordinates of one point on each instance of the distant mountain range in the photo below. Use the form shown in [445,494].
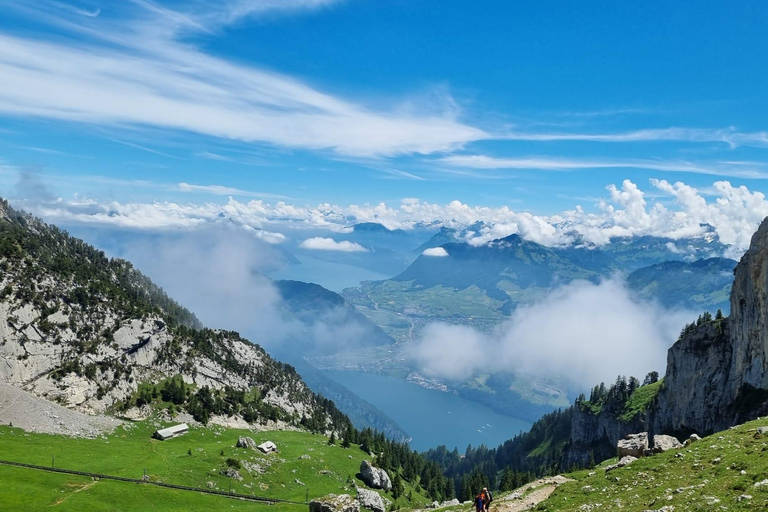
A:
[700,285]
[511,271]
[480,285]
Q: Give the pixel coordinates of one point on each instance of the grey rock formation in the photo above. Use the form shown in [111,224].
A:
[696,382]
[625,461]
[231,473]
[246,442]
[374,477]
[370,500]
[717,376]
[663,443]
[633,445]
[335,503]
[89,347]
[594,437]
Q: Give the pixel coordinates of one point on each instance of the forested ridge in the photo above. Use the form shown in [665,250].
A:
[539,452]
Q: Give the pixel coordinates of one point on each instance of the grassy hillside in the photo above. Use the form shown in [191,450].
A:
[716,473]
[699,285]
[303,457]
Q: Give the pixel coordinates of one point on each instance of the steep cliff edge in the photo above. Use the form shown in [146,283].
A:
[716,375]
[696,395]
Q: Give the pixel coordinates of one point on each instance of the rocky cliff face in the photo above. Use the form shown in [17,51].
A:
[716,375]
[85,331]
[594,437]
[697,387]
[749,316]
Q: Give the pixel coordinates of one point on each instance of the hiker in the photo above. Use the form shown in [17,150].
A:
[479,506]
[487,498]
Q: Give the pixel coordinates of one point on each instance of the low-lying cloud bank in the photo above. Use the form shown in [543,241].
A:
[733,212]
[583,333]
[216,273]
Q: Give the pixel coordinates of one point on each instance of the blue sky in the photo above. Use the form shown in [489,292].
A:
[533,106]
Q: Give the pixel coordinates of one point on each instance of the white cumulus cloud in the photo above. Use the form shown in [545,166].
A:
[675,210]
[329,244]
[436,252]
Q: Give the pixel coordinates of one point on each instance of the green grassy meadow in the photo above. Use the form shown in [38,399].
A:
[725,471]
[130,450]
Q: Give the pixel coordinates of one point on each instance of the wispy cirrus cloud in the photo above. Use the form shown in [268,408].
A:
[175,85]
[725,168]
[221,190]
[730,136]
[178,87]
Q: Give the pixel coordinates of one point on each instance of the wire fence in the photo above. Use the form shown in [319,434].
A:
[99,476]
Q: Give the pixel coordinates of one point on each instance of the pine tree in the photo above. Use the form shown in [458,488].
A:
[332,439]
[651,378]
[397,487]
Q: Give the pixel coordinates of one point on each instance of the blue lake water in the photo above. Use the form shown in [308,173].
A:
[432,417]
[329,274]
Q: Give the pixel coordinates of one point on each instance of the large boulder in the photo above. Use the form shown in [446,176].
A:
[374,477]
[662,443]
[634,445]
[334,503]
[625,461]
[370,500]
[231,473]
[246,442]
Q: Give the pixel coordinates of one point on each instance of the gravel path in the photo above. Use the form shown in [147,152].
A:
[33,414]
[528,496]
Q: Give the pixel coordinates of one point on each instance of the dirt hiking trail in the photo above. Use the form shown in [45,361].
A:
[529,495]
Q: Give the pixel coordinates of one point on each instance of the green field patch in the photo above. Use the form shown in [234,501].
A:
[306,466]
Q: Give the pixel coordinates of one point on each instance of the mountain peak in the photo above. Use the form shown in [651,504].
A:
[372,227]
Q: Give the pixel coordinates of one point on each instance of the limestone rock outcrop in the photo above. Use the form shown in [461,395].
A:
[594,437]
[87,331]
[231,473]
[374,477]
[246,442]
[717,376]
[663,443]
[370,499]
[335,503]
[625,461]
[633,445]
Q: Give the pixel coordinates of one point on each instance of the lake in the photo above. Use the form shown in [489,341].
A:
[328,274]
[432,417]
